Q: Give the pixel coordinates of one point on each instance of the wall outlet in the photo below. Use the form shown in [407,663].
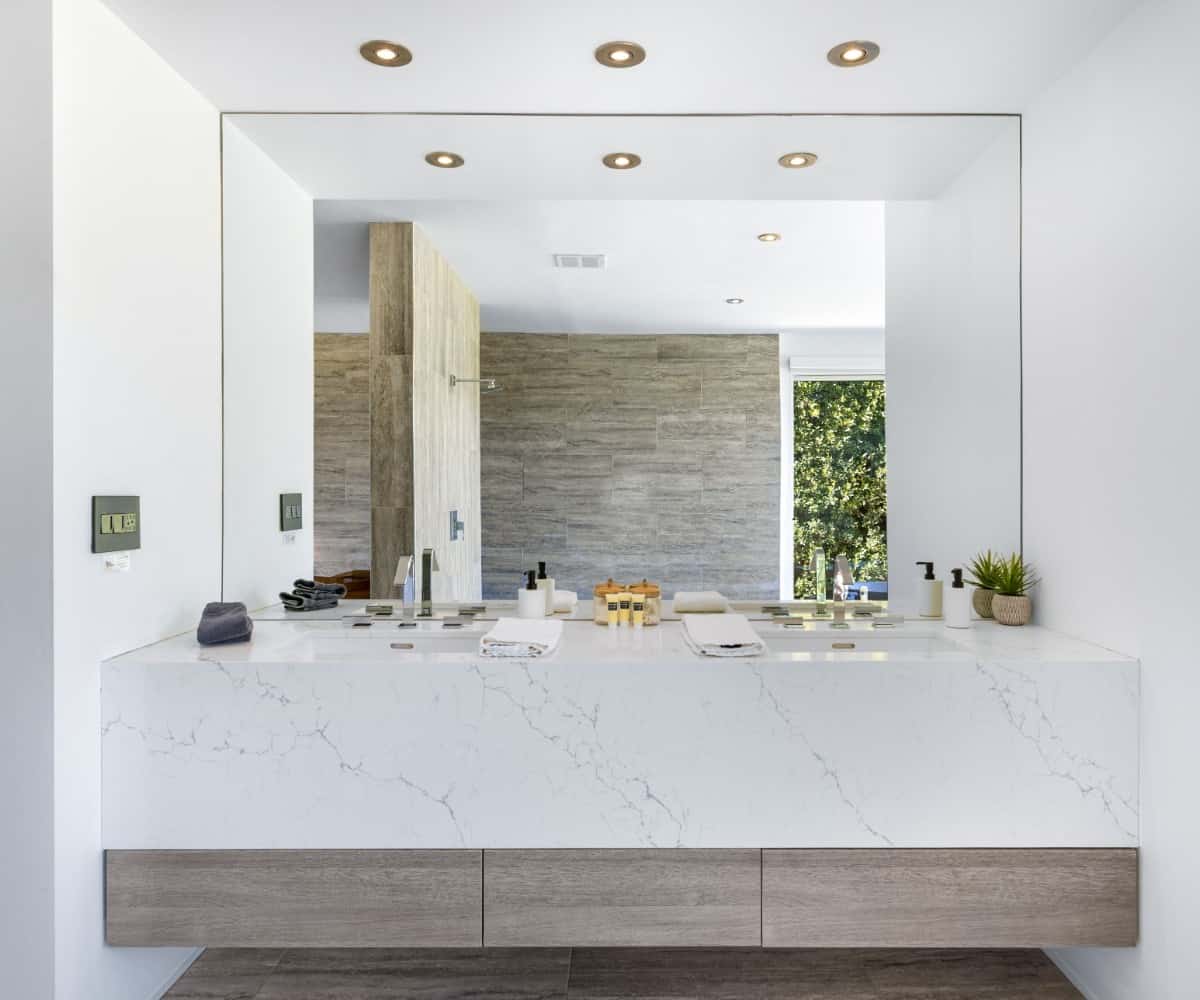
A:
[116,524]
[457,527]
[291,512]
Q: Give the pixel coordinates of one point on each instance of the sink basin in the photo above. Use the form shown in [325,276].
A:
[849,642]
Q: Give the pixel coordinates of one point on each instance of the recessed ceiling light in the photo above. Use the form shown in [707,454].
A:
[441,158]
[856,53]
[620,55]
[383,53]
[622,161]
[735,302]
[769,237]
[794,161]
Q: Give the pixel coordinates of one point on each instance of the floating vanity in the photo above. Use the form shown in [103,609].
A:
[692,801]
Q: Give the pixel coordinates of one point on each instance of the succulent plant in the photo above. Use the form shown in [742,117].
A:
[1014,577]
[983,570]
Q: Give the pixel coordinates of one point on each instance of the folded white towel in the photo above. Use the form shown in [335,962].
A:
[521,637]
[699,602]
[722,635]
[565,602]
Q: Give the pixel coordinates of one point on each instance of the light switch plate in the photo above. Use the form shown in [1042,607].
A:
[116,524]
[291,512]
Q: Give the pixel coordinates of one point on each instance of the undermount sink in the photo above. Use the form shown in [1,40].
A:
[827,640]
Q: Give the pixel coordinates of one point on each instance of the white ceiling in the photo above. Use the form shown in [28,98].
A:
[671,264]
[704,55]
[381,157]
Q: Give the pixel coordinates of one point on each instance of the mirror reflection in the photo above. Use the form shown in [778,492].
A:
[707,383]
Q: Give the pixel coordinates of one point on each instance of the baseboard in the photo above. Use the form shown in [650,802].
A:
[175,975]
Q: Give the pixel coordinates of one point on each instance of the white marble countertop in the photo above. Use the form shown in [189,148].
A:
[317,734]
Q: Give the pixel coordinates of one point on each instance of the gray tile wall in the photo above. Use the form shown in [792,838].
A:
[631,457]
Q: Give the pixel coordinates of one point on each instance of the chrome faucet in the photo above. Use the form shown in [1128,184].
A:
[428,566]
[405,581]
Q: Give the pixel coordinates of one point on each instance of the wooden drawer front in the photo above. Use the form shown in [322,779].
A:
[294,899]
[628,898]
[961,898]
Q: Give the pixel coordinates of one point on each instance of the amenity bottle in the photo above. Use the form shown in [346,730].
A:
[531,602]
[929,593]
[546,585]
[958,603]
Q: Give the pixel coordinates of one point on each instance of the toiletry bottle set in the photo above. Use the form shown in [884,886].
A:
[635,605]
[531,602]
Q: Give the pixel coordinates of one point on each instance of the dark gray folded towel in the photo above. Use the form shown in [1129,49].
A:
[222,623]
[307,602]
[321,589]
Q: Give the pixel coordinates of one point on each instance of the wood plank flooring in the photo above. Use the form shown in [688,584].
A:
[621,974]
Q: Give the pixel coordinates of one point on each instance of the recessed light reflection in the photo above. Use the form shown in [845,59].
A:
[769,237]
[441,158]
[622,161]
[794,161]
[735,301]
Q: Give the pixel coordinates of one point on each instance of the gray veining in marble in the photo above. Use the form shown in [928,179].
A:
[631,457]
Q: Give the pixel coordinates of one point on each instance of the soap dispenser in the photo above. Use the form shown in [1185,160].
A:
[929,593]
[546,586]
[958,603]
[531,602]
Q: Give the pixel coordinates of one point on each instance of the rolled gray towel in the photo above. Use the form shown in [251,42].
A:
[320,589]
[221,623]
[297,601]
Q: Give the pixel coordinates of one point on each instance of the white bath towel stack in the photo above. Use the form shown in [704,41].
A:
[522,637]
[722,635]
[699,602]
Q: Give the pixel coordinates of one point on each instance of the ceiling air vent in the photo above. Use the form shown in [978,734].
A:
[580,261]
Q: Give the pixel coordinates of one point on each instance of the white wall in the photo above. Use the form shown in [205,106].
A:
[26,678]
[1112,243]
[268,365]
[864,346]
[136,314]
[953,372]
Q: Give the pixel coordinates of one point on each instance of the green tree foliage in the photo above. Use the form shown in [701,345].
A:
[840,476]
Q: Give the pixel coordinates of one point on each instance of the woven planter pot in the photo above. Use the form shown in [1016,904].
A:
[981,601]
[1012,610]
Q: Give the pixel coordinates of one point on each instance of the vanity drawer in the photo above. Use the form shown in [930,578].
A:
[294,899]
[952,898]
[630,898]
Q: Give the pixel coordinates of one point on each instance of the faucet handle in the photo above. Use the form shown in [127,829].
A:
[431,558]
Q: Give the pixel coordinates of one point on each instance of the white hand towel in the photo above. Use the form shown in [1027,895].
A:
[521,637]
[722,635]
[565,602]
[699,602]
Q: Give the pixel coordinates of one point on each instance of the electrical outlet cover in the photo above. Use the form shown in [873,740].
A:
[291,512]
[116,524]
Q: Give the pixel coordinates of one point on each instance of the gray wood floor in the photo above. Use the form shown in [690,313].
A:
[617,974]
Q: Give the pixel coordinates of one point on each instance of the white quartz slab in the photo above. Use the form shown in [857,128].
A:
[319,735]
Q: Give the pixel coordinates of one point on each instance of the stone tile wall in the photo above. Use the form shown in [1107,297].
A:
[631,457]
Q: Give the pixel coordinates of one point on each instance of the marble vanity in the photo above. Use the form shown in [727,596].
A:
[321,735]
[359,783]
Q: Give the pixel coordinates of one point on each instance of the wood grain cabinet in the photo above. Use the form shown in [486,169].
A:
[961,898]
[636,898]
[810,898]
[294,899]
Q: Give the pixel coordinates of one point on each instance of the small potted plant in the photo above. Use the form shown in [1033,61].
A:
[982,570]
[1013,580]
